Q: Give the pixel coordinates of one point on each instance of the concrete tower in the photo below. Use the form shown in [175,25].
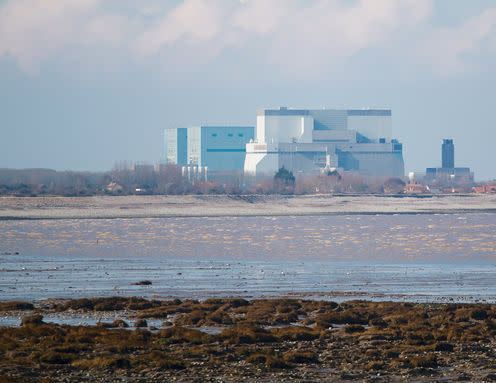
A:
[448,155]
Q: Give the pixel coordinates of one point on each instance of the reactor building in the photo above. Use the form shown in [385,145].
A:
[308,140]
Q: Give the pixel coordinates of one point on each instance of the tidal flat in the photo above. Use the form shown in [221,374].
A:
[254,341]
[404,257]
[159,206]
[400,292]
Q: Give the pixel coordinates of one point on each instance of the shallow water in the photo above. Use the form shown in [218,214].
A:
[399,257]
[79,319]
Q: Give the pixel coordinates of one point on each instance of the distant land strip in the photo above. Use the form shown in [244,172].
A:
[123,207]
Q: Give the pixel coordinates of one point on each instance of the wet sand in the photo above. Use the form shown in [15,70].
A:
[415,257]
[276,340]
[252,205]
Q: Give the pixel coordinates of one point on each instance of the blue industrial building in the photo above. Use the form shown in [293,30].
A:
[218,148]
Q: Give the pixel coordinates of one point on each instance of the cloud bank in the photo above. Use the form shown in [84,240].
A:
[293,37]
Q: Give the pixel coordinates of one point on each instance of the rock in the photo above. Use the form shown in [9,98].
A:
[143,283]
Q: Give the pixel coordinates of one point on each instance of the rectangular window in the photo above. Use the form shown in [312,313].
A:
[230,134]
[214,134]
[240,135]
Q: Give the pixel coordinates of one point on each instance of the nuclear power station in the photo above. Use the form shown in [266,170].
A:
[301,140]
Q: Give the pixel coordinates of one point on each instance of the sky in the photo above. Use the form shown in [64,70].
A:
[85,84]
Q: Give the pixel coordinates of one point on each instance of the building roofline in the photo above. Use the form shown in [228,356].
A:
[285,111]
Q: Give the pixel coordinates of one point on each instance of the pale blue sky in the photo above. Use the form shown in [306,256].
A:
[86,83]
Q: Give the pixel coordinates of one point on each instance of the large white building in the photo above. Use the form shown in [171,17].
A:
[306,140]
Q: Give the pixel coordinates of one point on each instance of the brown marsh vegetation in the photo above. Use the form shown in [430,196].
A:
[279,339]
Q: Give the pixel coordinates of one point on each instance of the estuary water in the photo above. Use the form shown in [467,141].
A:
[425,257]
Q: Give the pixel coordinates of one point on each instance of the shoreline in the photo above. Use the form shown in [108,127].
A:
[430,212]
[123,207]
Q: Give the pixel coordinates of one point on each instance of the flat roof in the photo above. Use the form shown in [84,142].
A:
[284,111]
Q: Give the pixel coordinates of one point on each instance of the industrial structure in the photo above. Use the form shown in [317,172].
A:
[448,171]
[308,140]
[216,148]
[448,154]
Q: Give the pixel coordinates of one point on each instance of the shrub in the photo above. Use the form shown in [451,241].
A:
[352,328]
[15,305]
[391,354]
[444,347]
[141,323]
[256,358]
[52,357]
[179,334]
[428,361]
[116,323]
[159,359]
[272,362]
[103,362]
[300,357]
[191,319]
[478,314]
[246,334]
[32,320]
[376,366]
[295,333]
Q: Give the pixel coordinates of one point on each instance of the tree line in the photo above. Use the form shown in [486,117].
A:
[170,180]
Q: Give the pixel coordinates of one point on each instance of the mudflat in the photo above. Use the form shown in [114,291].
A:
[245,205]
[232,340]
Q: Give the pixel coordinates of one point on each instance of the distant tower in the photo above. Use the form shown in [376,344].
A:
[448,154]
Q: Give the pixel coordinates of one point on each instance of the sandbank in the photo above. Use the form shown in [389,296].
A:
[156,206]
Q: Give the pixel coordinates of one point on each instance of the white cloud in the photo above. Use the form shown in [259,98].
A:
[293,37]
[104,29]
[193,22]
[448,50]
[308,37]
[33,31]
[261,16]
